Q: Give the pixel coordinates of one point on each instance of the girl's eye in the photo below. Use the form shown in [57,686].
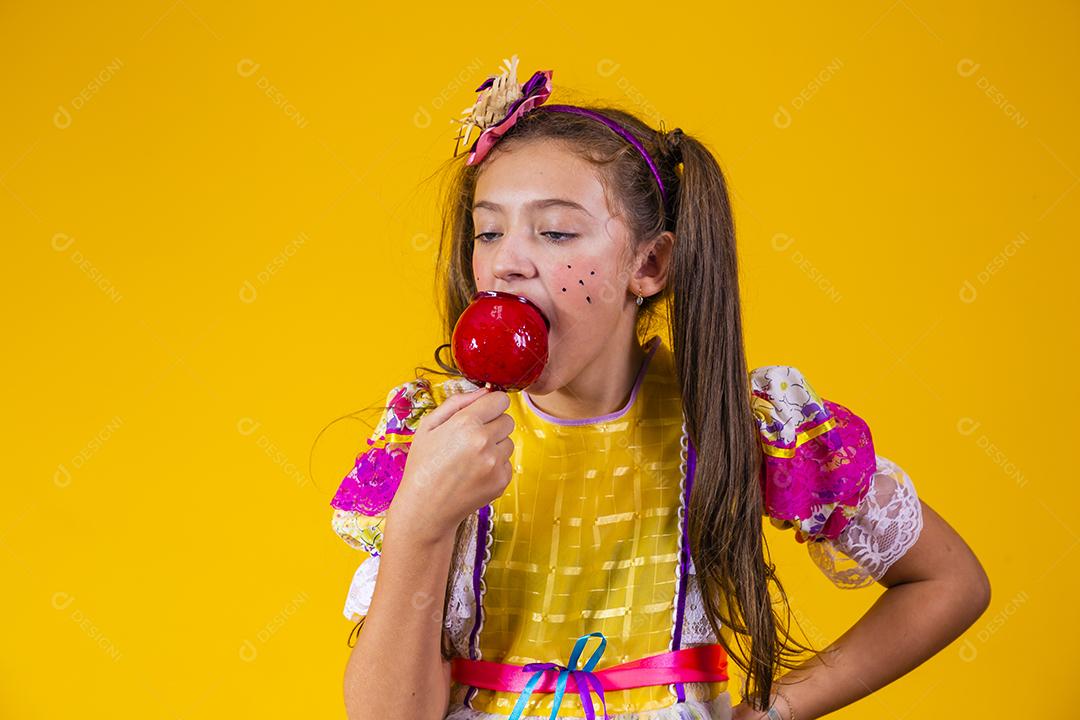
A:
[562,236]
[556,237]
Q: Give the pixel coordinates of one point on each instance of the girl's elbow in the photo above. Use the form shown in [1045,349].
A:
[974,588]
[982,590]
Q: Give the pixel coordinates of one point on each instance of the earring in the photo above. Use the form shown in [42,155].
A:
[640,300]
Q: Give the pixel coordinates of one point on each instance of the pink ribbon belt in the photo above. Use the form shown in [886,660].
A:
[704,663]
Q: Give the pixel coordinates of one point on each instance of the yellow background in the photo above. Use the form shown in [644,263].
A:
[221,242]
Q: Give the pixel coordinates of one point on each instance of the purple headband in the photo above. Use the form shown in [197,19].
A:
[499,108]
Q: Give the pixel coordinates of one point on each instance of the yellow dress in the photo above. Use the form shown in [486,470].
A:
[588,537]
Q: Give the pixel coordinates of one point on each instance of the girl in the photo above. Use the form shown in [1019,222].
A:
[618,500]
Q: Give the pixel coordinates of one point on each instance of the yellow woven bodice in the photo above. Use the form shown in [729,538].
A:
[586,538]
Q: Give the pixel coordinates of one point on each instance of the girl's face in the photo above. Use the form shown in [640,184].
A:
[544,231]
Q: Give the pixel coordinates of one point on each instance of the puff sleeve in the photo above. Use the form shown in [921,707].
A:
[857,511]
[360,503]
[364,495]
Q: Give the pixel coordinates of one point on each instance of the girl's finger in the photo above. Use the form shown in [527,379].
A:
[451,405]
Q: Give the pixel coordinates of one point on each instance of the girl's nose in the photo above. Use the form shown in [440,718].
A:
[511,259]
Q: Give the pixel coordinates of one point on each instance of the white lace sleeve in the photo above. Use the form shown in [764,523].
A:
[358,600]
[886,524]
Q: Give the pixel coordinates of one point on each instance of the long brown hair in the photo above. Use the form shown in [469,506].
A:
[703,318]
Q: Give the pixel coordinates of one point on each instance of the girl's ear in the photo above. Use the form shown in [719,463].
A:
[653,264]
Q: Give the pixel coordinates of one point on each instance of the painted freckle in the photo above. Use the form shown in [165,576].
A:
[593,272]
[589,299]
[581,282]
[564,289]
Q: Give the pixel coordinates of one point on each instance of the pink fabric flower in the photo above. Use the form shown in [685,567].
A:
[533,93]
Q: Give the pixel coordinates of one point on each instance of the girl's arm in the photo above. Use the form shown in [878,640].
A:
[396,668]
[458,461]
[936,590]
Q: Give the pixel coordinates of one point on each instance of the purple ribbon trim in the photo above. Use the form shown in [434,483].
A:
[482,525]
[684,556]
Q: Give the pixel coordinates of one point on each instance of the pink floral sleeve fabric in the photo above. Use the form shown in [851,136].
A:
[364,495]
[819,458]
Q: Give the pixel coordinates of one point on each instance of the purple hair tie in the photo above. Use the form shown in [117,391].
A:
[502,103]
[619,129]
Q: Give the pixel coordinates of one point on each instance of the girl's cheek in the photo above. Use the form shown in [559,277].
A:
[483,271]
[579,285]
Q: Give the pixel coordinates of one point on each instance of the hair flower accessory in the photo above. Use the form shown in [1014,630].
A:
[502,102]
[499,106]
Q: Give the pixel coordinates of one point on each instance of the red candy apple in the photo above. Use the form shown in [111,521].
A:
[501,340]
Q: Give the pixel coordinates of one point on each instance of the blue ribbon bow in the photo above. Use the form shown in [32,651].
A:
[582,679]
